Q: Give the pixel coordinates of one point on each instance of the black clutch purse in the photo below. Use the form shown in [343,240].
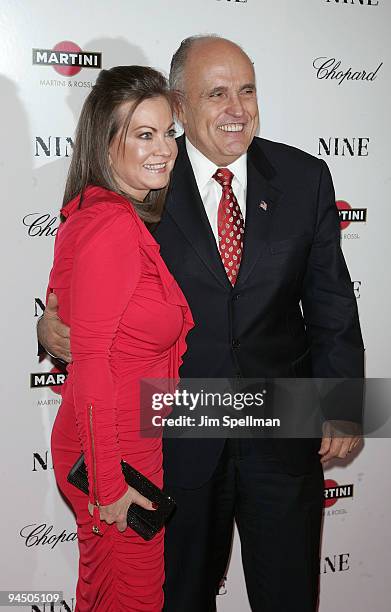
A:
[146,523]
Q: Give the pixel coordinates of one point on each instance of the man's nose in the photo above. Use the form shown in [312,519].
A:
[235,106]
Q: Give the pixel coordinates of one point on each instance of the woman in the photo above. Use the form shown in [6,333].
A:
[128,321]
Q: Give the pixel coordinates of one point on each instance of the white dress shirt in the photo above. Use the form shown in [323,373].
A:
[210,190]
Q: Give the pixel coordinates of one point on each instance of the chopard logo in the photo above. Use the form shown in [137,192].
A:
[330,68]
[41,224]
[41,535]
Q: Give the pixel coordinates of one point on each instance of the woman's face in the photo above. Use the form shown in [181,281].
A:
[144,159]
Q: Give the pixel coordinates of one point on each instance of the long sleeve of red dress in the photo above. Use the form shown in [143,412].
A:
[106,269]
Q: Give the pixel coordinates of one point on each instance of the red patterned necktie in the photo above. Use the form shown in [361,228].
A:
[230,225]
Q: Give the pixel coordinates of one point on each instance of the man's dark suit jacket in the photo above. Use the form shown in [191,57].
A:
[291,255]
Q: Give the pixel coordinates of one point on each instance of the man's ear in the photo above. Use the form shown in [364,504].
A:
[179,107]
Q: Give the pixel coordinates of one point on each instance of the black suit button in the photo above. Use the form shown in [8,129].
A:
[236,296]
[235,344]
[238,375]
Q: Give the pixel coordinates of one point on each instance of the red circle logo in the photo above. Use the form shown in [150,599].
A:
[69,47]
[330,484]
[342,205]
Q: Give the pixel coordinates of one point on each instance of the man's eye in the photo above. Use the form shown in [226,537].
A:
[249,91]
[216,94]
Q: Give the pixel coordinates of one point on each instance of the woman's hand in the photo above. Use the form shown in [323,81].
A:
[117,512]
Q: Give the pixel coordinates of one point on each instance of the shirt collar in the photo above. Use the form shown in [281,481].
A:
[204,169]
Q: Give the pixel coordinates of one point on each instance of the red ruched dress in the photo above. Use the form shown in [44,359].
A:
[129,321]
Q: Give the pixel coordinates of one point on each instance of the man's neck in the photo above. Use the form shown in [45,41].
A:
[218,162]
[204,168]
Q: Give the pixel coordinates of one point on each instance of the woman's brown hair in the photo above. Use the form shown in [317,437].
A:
[100,121]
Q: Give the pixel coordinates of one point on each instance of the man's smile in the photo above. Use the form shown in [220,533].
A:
[231,127]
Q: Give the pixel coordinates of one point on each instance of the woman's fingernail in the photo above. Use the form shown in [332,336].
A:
[155,505]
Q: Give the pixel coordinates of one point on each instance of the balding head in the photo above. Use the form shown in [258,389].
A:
[189,44]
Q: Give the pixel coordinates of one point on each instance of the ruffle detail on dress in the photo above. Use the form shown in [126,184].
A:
[173,295]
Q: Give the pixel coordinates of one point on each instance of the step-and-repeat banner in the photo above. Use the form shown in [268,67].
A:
[323,73]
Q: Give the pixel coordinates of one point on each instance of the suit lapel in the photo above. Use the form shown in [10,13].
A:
[262,199]
[185,206]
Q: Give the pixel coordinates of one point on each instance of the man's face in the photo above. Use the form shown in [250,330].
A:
[219,110]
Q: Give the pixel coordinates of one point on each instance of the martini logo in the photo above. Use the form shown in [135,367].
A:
[348,215]
[67,58]
[333,492]
[47,379]
[49,402]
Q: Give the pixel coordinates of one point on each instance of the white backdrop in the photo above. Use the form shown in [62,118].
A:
[300,104]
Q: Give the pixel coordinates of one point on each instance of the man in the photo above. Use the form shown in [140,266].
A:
[249,323]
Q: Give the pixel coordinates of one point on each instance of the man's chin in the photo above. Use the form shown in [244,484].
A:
[234,146]
[235,150]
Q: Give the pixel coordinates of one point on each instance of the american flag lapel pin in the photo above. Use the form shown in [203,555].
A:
[263,205]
